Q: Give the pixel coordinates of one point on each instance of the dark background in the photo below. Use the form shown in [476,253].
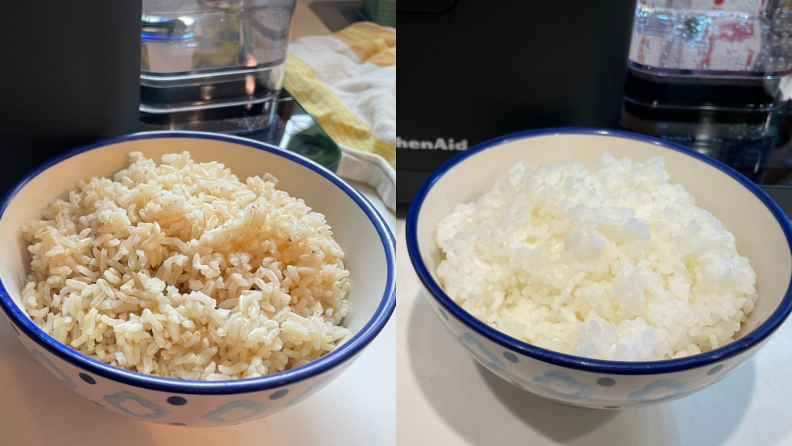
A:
[477,70]
[70,76]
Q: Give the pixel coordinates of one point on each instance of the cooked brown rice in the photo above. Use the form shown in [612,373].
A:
[181,270]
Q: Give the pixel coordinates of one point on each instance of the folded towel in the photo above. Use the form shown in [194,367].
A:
[347,82]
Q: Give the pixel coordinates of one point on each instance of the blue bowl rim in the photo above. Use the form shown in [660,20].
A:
[324,364]
[740,345]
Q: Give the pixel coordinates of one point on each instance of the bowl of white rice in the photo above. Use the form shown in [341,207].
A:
[599,268]
[193,279]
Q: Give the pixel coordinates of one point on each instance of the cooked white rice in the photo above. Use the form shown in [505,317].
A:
[181,270]
[611,262]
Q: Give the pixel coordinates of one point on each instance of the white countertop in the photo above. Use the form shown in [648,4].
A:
[446,399]
[357,409]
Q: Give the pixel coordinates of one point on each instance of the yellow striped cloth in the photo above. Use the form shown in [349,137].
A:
[371,44]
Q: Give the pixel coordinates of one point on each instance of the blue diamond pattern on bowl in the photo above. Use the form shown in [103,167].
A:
[657,391]
[250,410]
[44,360]
[481,353]
[561,385]
[117,400]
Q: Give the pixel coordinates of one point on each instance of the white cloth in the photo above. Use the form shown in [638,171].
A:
[370,92]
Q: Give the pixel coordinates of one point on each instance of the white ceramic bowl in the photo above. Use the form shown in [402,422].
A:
[762,231]
[356,225]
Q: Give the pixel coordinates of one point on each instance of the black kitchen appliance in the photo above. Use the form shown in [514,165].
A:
[475,70]
[71,76]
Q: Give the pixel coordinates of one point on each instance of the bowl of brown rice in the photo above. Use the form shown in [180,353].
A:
[193,279]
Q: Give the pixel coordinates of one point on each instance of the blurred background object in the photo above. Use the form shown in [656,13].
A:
[204,54]
[218,66]
[714,75]
[711,37]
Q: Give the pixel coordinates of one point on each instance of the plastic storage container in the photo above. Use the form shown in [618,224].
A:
[203,54]
[708,74]
[733,120]
[713,37]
